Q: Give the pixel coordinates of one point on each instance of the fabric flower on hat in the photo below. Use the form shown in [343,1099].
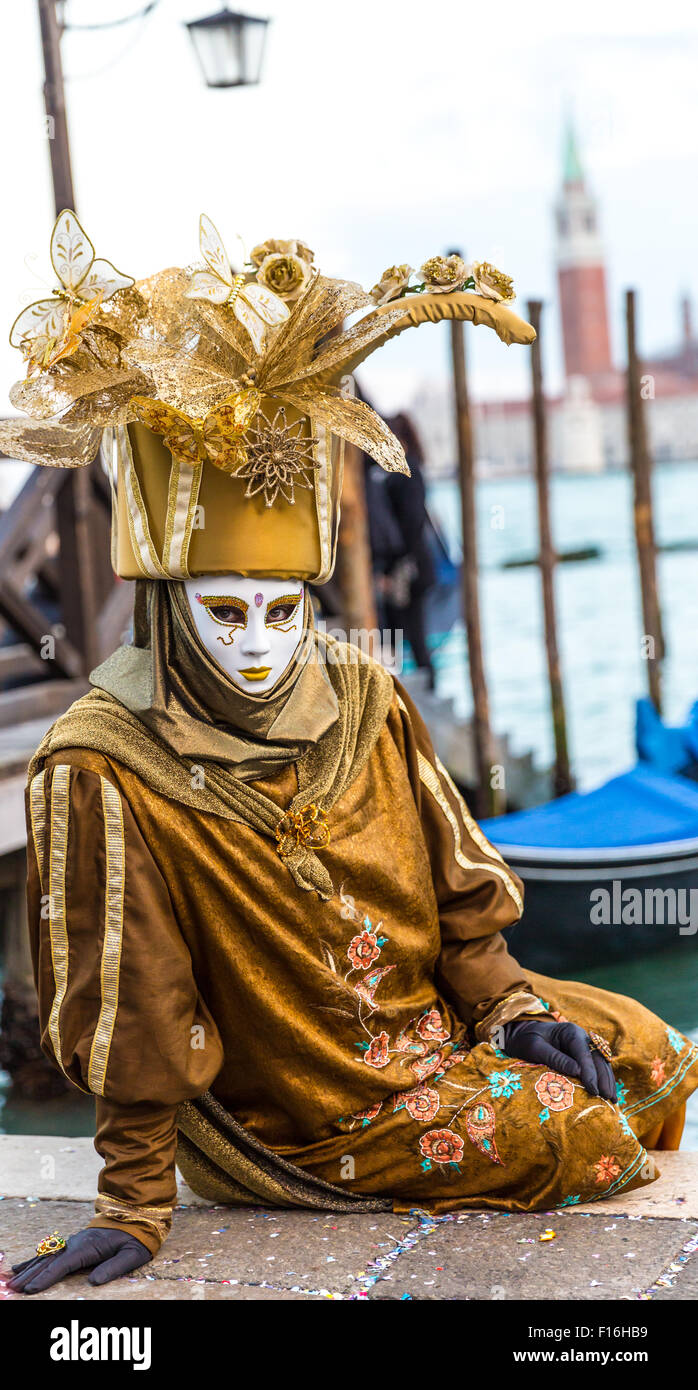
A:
[442,274]
[285,275]
[284,267]
[392,282]
[493,283]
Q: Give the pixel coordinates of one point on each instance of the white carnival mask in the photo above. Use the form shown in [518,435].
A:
[250,627]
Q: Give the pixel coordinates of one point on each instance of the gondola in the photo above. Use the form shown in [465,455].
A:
[611,873]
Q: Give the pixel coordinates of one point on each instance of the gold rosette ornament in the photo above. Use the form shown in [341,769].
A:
[278,458]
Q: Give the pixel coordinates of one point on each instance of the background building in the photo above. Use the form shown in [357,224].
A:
[587,421]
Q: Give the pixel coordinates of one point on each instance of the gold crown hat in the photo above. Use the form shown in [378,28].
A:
[222,396]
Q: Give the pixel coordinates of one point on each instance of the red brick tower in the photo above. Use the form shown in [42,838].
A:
[581,274]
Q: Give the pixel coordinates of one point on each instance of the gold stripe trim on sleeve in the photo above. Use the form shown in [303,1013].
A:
[430,777]
[471,825]
[37,807]
[515,1006]
[158,1217]
[115,882]
[58,930]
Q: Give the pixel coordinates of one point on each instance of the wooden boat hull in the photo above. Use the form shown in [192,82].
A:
[609,874]
[613,905]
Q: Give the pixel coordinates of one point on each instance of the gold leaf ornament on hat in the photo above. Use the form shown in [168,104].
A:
[224,282]
[217,436]
[46,348]
[49,329]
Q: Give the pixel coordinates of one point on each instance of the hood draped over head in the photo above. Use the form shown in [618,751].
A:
[167,711]
[169,680]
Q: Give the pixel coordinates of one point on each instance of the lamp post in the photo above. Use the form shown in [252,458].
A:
[229,47]
[54,103]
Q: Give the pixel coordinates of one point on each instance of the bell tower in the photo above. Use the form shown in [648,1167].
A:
[581,272]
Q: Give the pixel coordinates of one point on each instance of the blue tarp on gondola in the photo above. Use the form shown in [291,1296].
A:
[641,807]
[667,749]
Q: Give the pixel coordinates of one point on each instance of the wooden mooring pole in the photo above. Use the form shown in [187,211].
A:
[354,576]
[562,777]
[641,464]
[488,800]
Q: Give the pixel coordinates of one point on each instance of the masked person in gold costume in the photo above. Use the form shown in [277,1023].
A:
[267,932]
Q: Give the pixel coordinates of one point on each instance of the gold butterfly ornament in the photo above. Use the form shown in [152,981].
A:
[192,439]
[49,329]
[225,282]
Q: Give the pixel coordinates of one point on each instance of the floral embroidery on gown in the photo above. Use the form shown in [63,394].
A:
[464,1107]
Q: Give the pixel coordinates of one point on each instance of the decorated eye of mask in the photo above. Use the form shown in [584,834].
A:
[282,611]
[231,612]
[250,627]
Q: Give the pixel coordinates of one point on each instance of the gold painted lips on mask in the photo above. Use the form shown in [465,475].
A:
[255,673]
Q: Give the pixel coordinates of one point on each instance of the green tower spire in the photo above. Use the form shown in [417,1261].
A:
[572,164]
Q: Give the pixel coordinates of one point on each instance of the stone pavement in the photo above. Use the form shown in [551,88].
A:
[642,1246]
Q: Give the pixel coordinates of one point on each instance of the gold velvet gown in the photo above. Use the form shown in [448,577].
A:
[175,953]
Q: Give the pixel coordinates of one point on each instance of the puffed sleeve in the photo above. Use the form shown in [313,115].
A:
[119,1009]
[477,893]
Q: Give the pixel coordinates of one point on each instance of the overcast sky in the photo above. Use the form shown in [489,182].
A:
[381,132]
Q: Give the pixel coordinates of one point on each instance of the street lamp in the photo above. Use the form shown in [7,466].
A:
[229,47]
